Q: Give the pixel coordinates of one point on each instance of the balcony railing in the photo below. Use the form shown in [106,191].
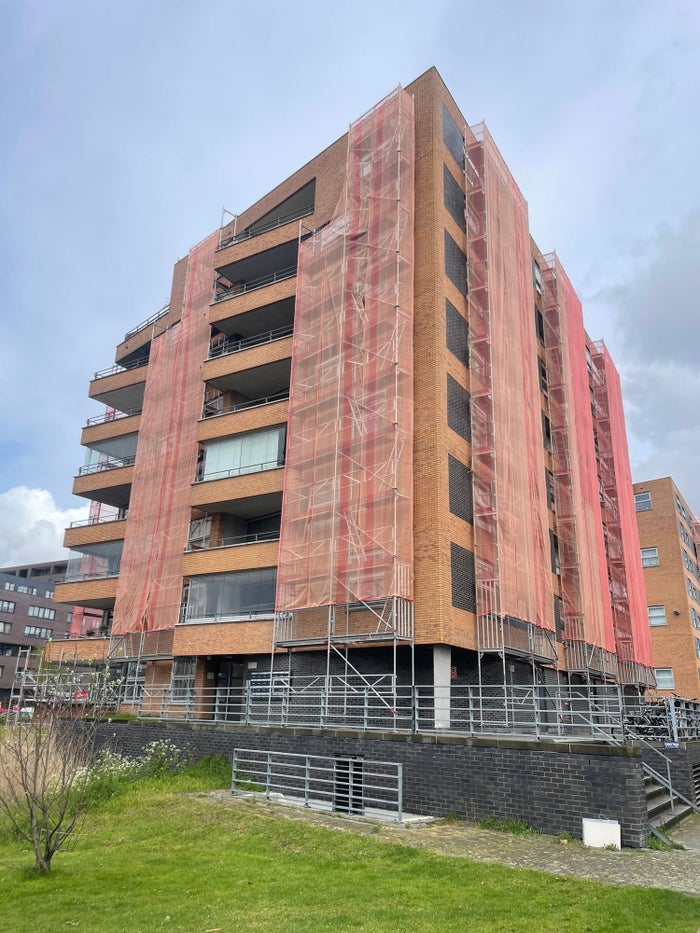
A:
[256,229]
[113,463]
[236,541]
[92,575]
[203,477]
[147,323]
[101,520]
[210,411]
[112,416]
[113,370]
[240,288]
[244,343]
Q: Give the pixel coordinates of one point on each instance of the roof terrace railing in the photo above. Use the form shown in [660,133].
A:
[147,323]
[256,229]
[101,520]
[240,288]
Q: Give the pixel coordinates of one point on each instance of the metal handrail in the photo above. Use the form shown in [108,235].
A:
[117,368]
[249,232]
[209,412]
[240,288]
[83,522]
[235,541]
[237,471]
[150,320]
[112,416]
[244,343]
[112,464]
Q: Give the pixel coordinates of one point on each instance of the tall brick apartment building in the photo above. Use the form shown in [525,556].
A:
[367,439]
[668,533]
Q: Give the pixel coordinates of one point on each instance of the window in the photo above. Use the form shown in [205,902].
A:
[454,199]
[693,591]
[29,590]
[250,452]
[650,557]
[689,563]
[681,508]
[33,631]
[554,548]
[7,606]
[5,628]
[536,276]
[542,370]
[182,683]
[549,483]
[697,647]
[49,594]
[455,264]
[546,432]
[241,594]
[2,670]
[458,409]
[642,501]
[457,334]
[539,325]
[452,137]
[42,612]
[695,617]
[460,488]
[10,586]
[664,678]
[657,615]
[134,680]
[463,578]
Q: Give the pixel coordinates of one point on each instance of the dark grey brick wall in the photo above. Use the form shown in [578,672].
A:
[683,760]
[549,785]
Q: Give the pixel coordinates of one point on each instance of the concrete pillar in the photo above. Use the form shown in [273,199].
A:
[442,669]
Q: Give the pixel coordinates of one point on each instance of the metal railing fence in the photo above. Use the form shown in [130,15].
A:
[244,343]
[344,784]
[542,712]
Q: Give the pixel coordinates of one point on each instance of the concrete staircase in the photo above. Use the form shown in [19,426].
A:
[661,815]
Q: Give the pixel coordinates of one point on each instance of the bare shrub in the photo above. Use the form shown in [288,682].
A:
[44,775]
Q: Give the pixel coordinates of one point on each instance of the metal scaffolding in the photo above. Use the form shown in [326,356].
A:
[346,543]
[514,598]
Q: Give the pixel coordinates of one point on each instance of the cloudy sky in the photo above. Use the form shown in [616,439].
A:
[128,124]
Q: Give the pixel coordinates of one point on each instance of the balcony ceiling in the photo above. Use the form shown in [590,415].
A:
[265,263]
[259,321]
[258,382]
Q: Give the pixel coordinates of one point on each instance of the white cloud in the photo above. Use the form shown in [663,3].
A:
[32,526]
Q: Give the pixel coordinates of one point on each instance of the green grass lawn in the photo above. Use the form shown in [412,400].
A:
[152,858]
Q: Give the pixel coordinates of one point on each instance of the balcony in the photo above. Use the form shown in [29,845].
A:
[110,426]
[224,494]
[203,477]
[243,556]
[111,486]
[93,593]
[257,271]
[110,463]
[236,344]
[92,531]
[121,387]
[137,340]
[298,205]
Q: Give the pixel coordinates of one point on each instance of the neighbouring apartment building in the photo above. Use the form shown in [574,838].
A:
[368,438]
[668,534]
[29,617]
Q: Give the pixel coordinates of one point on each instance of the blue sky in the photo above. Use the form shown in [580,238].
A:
[128,124]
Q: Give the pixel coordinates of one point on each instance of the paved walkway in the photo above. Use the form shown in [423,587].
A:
[676,869]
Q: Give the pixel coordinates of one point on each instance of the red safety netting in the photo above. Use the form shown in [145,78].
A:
[346,530]
[149,589]
[587,613]
[511,539]
[630,616]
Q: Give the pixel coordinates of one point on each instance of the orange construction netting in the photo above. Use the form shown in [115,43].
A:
[149,589]
[587,613]
[630,615]
[346,532]
[511,535]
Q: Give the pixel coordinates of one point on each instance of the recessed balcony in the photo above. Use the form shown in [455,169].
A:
[256,271]
[295,207]
[225,494]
